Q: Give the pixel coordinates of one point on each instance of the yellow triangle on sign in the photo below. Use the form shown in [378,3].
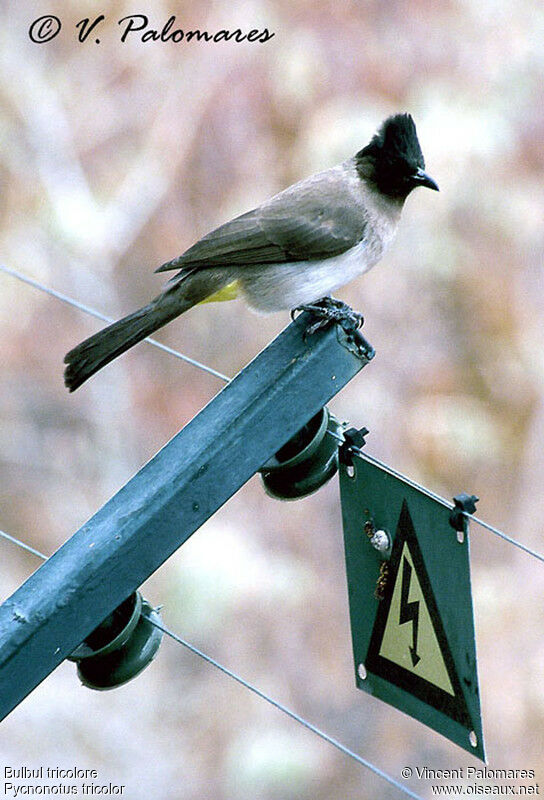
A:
[409,638]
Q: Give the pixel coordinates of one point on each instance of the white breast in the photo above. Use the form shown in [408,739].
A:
[274,287]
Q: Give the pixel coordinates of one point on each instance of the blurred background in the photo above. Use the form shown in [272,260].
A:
[116,157]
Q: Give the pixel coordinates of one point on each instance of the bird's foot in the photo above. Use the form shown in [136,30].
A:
[329,311]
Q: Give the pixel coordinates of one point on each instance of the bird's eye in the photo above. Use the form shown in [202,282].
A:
[404,170]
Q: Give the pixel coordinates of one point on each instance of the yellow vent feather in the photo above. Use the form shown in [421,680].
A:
[228,292]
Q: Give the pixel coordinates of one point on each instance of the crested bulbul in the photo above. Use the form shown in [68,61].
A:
[289,252]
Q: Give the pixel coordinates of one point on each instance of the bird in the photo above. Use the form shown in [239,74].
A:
[291,252]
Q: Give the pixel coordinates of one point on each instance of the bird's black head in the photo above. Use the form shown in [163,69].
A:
[393,160]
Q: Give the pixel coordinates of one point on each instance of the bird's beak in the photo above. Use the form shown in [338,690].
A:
[422,179]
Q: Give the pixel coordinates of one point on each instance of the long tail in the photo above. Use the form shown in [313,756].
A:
[101,348]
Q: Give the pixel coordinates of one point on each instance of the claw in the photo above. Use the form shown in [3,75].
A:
[329,311]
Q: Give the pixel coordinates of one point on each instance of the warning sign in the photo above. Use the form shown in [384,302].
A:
[409,638]
[412,622]
[408,645]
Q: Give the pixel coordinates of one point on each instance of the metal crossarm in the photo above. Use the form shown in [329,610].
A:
[169,499]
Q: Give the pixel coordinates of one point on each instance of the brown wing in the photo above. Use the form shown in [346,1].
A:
[319,217]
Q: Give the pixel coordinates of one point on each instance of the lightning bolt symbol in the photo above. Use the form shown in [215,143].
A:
[409,612]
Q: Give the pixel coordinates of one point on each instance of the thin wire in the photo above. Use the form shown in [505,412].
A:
[258,692]
[93,313]
[23,545]
[292,714]
[415,485]
[76,304]
[507,538]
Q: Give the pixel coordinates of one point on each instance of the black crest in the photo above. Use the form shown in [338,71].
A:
[392,157]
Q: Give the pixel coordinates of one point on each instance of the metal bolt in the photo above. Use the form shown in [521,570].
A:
[381,541]
[361,671]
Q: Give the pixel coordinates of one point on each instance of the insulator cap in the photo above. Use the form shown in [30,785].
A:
[121,647]
[307,461]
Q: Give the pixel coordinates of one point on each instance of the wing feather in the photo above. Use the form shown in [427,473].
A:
[316,218]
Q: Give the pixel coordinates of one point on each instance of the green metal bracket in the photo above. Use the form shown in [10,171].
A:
[411,602]
[102,564]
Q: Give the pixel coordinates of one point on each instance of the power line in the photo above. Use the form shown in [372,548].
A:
[372,459]
[23,545]
[477,520]
[292,714]
[424,490]
[93,313]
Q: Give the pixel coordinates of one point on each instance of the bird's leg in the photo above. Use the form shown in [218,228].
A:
[329,311]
